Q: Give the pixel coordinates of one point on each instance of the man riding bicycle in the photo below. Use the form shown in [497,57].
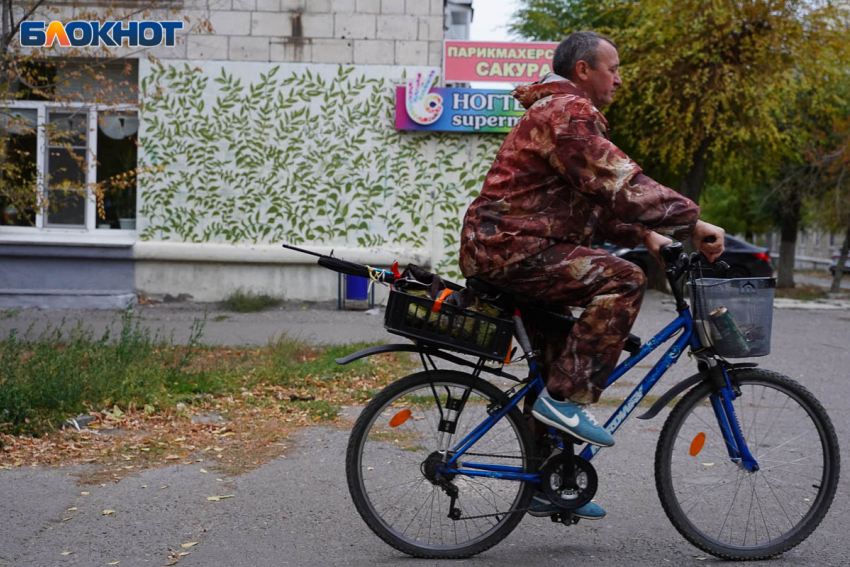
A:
[556,184]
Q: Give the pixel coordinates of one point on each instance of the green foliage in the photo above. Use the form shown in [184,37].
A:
[300,157]
[738,209]
[62,372]
[249,302]
[551,20]
[727,76]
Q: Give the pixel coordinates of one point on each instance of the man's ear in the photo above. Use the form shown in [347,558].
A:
[581,69]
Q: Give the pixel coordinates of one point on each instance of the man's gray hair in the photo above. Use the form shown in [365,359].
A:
[578,46]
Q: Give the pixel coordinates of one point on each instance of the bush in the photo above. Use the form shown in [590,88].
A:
[61,373]
[249,302]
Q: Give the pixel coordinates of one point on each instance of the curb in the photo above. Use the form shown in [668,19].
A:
[817,304]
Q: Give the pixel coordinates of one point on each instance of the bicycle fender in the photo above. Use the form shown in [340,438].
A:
[670,394]
[371,351]
[684,385]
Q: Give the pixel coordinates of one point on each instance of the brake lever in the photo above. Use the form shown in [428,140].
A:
[705,263]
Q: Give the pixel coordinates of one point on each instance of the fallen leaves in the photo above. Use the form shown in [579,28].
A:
[123,441]
[108,512]
[66,553]
[188,544]
[217,498]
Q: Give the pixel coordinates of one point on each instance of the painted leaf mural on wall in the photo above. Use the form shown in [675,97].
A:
[264,153]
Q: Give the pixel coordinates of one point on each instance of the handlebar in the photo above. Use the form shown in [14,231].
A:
[678,263]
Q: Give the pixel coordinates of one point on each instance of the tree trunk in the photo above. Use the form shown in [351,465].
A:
[789,223]
[692,183]
[839,267]
[690,187]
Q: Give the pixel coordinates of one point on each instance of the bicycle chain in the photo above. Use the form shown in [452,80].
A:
[523,510]
[462,518]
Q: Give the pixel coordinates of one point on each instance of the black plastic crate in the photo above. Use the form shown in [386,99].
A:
[451,327]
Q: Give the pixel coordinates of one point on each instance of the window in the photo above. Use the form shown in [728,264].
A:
[66,168]
[72,164]
[459,18]
[19,148]
[116,163]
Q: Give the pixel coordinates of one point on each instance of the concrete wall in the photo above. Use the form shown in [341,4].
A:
[403,192]
[365,32]
[254,154]
[80,277]
[210,272]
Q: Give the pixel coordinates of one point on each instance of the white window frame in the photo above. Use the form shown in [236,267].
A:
[67,234]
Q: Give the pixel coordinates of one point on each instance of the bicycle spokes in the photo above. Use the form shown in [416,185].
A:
[726,501]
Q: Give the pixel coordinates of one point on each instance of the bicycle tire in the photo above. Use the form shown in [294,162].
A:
[364,456]
[760,389]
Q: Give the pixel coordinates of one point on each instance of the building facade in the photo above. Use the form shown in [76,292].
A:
[270,122]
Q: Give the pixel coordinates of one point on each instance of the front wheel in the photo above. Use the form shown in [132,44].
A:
[720,506]
[396,452]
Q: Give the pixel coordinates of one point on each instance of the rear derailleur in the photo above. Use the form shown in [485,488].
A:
[432,469]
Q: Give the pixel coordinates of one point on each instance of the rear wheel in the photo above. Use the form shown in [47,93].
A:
[721,507]
[394,460]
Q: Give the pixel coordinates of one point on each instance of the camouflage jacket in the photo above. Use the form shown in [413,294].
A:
[556,178]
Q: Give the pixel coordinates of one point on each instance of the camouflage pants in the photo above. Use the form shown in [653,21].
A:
[578,363]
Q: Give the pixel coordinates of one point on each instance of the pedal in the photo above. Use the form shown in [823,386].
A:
[565,518]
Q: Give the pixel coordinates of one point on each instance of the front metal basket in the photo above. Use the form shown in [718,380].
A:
[452,327]
[734,316]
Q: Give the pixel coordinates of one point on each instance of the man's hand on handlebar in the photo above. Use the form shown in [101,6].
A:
[654,242]
[708,239]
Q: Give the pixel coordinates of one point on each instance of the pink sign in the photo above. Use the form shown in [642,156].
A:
[467,61]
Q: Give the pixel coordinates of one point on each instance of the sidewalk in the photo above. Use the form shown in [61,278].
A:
[317,323]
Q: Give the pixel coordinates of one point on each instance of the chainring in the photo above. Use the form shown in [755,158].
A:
[563,493]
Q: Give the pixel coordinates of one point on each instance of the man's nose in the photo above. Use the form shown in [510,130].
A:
[617,81]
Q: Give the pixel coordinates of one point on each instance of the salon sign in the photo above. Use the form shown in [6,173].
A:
[422,106]
[509,62]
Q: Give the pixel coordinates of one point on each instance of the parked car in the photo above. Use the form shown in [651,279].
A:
[833,263]
[745,260]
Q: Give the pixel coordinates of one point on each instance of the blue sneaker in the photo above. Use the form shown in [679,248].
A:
[571,418]
[541,507]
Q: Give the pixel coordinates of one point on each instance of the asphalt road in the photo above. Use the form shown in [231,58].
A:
[296,509]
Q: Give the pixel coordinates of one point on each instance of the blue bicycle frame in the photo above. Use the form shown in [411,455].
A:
[721,403]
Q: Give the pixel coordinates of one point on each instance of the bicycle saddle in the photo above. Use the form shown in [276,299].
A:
[534,314]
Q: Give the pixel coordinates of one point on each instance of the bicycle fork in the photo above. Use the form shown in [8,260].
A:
[727,419]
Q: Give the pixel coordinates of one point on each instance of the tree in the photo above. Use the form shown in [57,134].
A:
[712,88]
[831,162]
[706,80]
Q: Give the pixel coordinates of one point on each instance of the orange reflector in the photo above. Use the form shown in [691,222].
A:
[697,444]
[400,418]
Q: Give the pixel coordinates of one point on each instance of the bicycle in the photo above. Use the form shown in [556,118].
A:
[414,485]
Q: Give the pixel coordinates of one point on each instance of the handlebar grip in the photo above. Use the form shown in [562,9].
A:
[710,239]
[670,253]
